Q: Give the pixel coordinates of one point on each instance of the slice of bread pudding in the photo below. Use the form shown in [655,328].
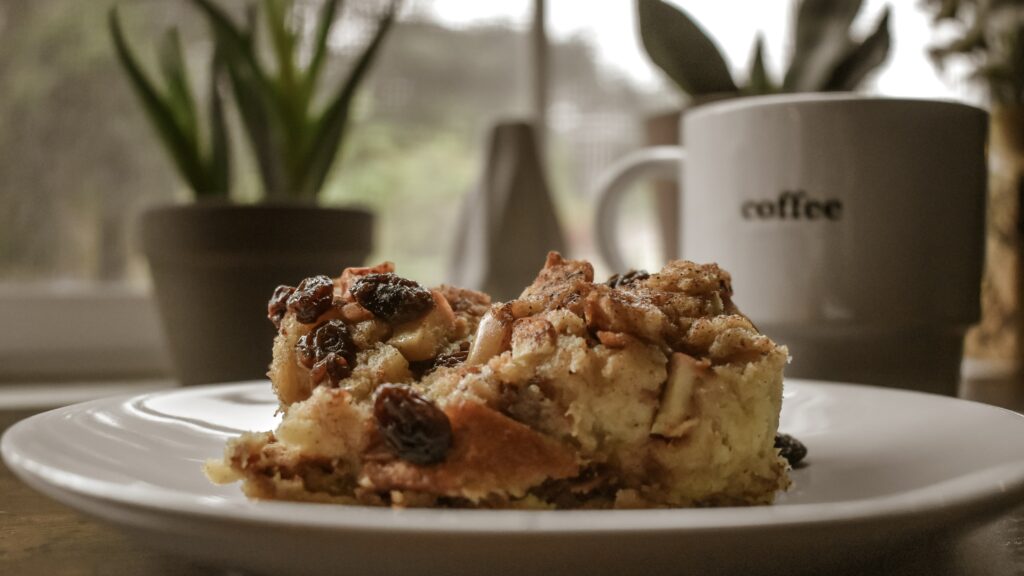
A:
[644,391]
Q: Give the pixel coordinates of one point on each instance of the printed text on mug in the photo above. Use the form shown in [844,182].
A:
[792,205]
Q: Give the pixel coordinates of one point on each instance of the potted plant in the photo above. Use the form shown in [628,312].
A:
[991,39]
[825,57]
[215,262]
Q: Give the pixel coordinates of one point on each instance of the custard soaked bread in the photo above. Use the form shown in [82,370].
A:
[644,391]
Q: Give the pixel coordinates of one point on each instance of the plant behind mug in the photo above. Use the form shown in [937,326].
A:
[825,56]
[215,264]
[992,40]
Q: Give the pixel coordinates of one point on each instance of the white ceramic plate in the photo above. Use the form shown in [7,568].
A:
[884,466]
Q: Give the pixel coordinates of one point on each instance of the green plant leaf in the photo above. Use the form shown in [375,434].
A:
[863,58]
[678,45]
[238,46]
[316,63]
[283,41]
[179,94]
[330,126]
[261,124]
[183,152]
[220,154]
[759,82]
[259,98]
[822,40]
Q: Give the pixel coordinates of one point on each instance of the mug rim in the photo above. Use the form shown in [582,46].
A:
[811,98]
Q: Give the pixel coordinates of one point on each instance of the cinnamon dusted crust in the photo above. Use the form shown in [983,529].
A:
[644,391]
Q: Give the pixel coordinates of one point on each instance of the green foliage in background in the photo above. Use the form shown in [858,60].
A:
[991,37]
[825,56]
[172,110]
[295,142]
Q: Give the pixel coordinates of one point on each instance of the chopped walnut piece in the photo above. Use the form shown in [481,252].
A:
[617,311]
[561,284]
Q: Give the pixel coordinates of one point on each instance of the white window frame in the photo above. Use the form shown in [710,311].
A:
[79,331]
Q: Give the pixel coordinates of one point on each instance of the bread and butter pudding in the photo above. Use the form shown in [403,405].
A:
[648,390]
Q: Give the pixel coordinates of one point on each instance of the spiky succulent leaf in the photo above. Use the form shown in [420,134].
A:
[330,126]
[822,40]
[678,45]
[259,98]
[759,82]
[316,62]
[862,58]
[178,94]
[263,128]
[183,151]
[220,152]
[283,40]
[238,46]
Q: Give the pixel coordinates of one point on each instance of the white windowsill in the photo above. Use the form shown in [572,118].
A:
[79,331]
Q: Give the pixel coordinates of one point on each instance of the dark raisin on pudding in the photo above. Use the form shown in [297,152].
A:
[328,351]
[278,304]
[422,368]
[334,368]
[392,298]
[312,298]
[631,277]
[451,359]
[415,428]
[790,448]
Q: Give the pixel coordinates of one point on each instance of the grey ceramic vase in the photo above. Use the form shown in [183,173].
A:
[214,267]
[508,222]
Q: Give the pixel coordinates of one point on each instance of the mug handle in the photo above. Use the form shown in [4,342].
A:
[666,162]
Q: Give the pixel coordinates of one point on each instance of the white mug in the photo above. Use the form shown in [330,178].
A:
[849,224]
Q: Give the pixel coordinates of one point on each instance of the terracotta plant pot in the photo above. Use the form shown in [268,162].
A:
[214,266]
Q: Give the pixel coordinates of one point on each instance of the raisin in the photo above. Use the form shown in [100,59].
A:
[415,428]
[312,298]
[333,368]
[790,448]
[631,277]
[451,359]
[331,338]
[278,304]
[392,298]
[423,367]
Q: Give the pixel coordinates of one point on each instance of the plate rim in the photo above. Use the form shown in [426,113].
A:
[977,492]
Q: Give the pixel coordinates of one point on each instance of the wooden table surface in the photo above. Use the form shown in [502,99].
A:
[41,537]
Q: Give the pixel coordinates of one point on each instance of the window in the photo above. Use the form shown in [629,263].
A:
[78,160]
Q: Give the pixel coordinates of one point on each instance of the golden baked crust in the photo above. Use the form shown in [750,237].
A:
[644,391]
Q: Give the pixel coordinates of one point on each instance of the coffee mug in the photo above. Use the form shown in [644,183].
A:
[853,227]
